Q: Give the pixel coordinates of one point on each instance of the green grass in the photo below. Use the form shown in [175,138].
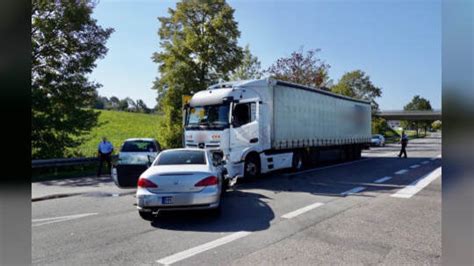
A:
[118,126]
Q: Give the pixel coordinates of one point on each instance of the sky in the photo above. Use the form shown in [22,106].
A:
[396,43]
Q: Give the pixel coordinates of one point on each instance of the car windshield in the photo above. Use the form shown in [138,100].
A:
[210,116]
[181,157]
[376,137]
[138,146]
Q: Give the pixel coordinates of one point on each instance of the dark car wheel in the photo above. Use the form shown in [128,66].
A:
[252,166]
[148,216]
[297,162]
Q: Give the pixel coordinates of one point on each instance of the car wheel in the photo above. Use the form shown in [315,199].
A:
[252,166]
[297,162]
[148,216]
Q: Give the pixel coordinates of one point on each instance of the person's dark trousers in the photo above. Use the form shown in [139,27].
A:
[403,151]
[104,157]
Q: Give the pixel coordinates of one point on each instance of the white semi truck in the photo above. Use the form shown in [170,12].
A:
[266,124]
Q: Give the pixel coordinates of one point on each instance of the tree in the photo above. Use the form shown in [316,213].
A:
[123,105]
[357,84]
[302,68]
[250,67]
[141,106]
[66,41]
[379,125]
[114,103]
[199,46]
[417,104]
[436,125]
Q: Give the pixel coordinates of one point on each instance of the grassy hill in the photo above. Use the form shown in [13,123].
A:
[118,126]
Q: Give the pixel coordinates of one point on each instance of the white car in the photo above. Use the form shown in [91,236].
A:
[135,156]
[181,179]
[377,140]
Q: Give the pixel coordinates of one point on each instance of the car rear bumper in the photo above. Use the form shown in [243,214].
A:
[208,198]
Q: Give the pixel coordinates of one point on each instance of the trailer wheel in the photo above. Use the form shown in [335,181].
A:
[297,163]
[252,166]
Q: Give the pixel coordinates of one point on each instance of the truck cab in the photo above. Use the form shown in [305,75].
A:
[228,118]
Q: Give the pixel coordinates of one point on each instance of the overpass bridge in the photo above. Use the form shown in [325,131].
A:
[410,115]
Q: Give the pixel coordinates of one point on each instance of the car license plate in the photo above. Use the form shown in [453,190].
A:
[166,200]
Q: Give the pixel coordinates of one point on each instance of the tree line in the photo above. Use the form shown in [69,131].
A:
[126,104]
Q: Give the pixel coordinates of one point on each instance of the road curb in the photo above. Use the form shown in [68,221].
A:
[56,196]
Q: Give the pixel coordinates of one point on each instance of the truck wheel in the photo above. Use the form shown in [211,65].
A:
[148,216]
[252,166]
[297,162]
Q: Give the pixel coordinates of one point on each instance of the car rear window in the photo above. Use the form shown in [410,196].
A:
[181,157]
[138,146]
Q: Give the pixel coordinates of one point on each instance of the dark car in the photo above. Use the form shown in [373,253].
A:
[135,156]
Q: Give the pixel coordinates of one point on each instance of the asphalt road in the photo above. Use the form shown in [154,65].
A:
[378,210]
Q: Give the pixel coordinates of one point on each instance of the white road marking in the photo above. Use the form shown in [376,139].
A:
[385,154]
[383,179]
[414,166]
[425,162]
[401,172]
[302,210]
[202,248]
[352,191]
[327,167]
[51,220]
[417,185]
[437,157]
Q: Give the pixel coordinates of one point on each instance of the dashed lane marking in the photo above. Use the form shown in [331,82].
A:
[302,210]
[383,179]
[352,191]
[202,248]
[401,172]
[43,221]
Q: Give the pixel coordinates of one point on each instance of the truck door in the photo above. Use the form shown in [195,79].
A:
[244,131]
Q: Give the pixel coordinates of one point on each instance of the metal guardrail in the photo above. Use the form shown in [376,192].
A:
[65,162]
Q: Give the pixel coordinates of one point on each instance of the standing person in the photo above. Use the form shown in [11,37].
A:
[404,142]
[104,153]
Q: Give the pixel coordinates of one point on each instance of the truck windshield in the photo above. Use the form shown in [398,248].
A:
[208,117]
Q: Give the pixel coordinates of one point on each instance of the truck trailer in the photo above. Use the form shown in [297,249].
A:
[264,125]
